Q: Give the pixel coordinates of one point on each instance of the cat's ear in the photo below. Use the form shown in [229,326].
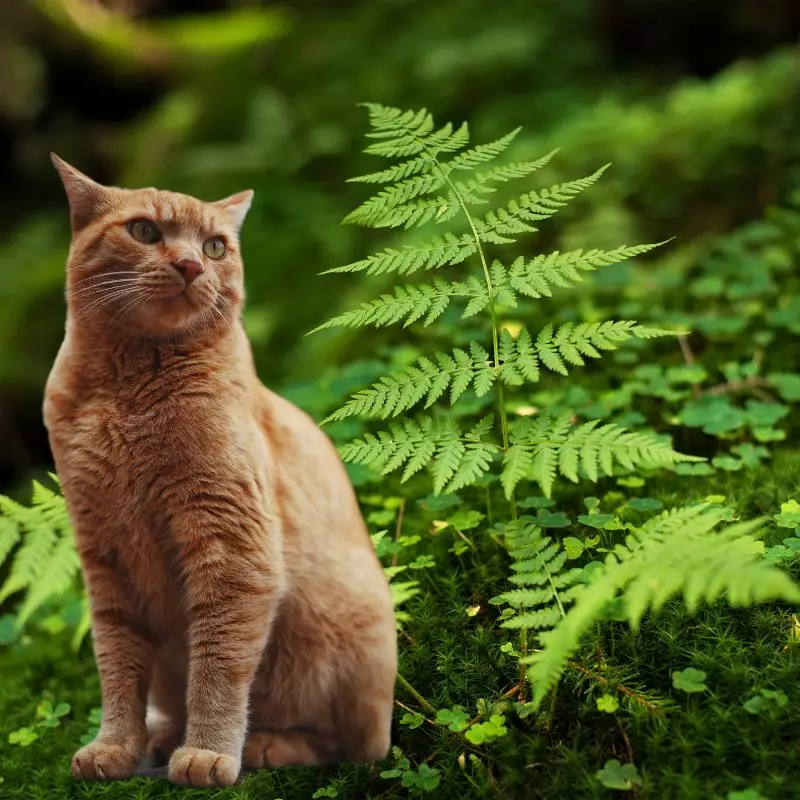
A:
[236,206]
[86,197]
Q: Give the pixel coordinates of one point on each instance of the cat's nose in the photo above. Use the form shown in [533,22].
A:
[188,268]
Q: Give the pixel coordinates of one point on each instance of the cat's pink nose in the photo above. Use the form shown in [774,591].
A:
[188,267]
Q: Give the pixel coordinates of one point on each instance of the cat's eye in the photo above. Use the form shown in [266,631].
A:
[214,247]
[144,231]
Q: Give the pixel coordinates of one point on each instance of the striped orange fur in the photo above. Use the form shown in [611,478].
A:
[238,610]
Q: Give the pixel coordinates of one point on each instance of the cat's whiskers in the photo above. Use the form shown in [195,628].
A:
[216,311]
[142,296]
[122,273]
[230,307]
[214,320]
[105,299]
[99,288]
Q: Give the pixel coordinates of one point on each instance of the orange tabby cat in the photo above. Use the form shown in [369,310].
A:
[236,598]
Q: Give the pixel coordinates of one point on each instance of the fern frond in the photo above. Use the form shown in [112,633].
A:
[408,304]
[441,251]
[55,576]
[539,276]
[402,592]
[471,191]
[376,210]
[46,561]
[540,450]
[557,350]
[482,153]
[393,394]
[455,459]
[405,133]
[9,536]
[414,166]
[413,214]
[538,562]
[681,552]
[498,226]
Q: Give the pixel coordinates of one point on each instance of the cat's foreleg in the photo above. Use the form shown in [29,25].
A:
[231,597]
[124,650]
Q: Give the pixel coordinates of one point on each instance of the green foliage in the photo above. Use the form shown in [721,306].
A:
[766,700]
[683,551]
[45,562]
[454,457]
[424,778]
[47,716]
[540,449]
[608,703]
[539,567]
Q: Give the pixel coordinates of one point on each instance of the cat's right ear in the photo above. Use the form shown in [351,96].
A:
[86,197]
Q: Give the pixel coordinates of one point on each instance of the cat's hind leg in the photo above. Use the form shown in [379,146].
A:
[323,694]
[292,747]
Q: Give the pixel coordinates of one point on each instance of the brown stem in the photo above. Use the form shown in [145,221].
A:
[415,694]
[506,695]
[686,349]
[753,383]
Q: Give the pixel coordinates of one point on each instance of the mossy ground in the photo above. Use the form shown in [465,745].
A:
[704,746]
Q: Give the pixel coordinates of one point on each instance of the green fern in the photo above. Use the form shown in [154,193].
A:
[460,370]
[541,449]
[455,459]
[437,182]
[402,591]
[680,552]
[438,179]
[45,562]
[539,567]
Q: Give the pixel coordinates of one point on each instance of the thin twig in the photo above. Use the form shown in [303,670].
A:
[752,383]
[411,711]
[619,687]
[628,747]
[686,349]
[415,694]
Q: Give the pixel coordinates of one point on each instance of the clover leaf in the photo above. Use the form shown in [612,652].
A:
[619,776]
[689,680]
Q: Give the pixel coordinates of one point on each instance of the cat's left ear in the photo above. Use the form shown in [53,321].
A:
[86,198]
[236,206]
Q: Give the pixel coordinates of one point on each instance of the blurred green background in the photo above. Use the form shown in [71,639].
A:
[695,102]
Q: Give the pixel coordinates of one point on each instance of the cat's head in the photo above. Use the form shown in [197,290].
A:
[151,262]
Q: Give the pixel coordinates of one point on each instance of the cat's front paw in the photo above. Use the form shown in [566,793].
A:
[191,766]
[104,762]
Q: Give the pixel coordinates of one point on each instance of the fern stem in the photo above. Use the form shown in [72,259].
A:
[523,636]
[416,695]
[501,402]
[492,311]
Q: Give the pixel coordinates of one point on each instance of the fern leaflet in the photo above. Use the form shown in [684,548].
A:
[455,459]
[46,563]
[542,448]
